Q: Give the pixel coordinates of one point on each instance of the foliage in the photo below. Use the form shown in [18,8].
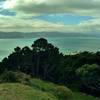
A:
[87,69]
[63,93]
[90,79]
[40,61]
[10,76]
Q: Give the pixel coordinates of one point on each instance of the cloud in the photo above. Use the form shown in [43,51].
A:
[9,23]
[92,24]
[25,9]
[83,7]
[19,24]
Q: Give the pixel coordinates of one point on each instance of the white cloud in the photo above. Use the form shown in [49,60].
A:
[85,7]
[8,23]
[27,8]
[92,24]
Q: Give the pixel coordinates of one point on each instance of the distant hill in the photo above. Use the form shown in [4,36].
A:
[7,35]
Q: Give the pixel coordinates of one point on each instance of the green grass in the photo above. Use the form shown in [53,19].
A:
[35,90]
[39,90]
[82,96]
[16,91]
[61,92]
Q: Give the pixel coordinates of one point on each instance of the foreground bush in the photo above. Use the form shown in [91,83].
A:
[10,76]
[63,93]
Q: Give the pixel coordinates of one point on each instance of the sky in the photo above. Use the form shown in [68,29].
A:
[82,16]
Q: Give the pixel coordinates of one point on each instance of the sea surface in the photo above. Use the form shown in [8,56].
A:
[66,45]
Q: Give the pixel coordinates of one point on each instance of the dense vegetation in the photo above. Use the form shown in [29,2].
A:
[43,60]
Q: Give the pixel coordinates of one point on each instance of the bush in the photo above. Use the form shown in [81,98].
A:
[63,93]
[89,79]
[10,76]
[86,69]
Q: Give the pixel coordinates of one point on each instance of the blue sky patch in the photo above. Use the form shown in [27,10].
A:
[63,18]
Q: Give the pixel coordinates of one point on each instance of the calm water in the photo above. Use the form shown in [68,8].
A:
[66,44]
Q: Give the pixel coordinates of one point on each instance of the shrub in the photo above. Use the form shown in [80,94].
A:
[90,79]
[63,93]
[86,69]
[10,76]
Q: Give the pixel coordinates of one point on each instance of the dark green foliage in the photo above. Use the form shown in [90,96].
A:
[90,79]
[39,61]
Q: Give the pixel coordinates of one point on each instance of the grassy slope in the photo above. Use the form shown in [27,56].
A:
[81,96]
[16,91]
[49,86]
[39,90]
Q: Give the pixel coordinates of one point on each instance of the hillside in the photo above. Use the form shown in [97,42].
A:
[15,91]
[39,90]
[36,89]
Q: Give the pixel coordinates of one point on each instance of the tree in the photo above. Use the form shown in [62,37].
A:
[90,79]
[40,45]
[86,69]
[46,57]
[26,63]
[17,49]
